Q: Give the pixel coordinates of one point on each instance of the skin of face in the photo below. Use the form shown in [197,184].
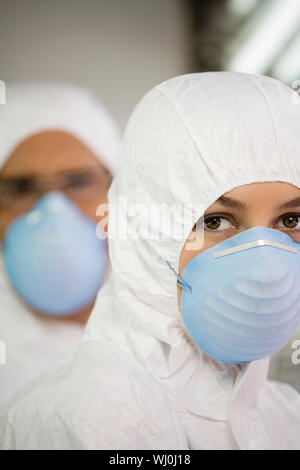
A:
[48,154]
[247,206]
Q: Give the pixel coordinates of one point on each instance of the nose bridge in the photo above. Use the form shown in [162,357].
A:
[49,187]
[53,200]
[259,216]
[49,184]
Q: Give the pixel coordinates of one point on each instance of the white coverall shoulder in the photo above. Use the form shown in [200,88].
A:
[135,382]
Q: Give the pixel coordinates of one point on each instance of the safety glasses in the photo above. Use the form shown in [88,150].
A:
[84,185]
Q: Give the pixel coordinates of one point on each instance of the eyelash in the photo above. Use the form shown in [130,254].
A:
[207,219]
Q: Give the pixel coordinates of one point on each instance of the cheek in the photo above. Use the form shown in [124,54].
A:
[179,297]
[90,209]
[6,218]
[186,256]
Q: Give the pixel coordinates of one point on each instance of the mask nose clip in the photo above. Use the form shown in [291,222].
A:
[253,244]
[180,281]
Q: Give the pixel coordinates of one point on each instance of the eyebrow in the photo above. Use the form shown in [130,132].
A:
[233,203]
[228,202]
[293,203]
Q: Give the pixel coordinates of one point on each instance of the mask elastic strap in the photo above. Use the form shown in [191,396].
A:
[180,281]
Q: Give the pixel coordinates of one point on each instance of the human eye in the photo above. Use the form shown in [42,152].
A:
[217,223]
[290,221]
[18,187]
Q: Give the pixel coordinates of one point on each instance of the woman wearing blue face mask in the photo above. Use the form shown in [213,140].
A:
[58,154]
[204,288]
[250,307]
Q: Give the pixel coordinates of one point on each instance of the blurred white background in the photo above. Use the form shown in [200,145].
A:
[119,48]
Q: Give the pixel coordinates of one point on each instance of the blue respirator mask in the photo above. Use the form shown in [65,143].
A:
[240,299]
[53,257]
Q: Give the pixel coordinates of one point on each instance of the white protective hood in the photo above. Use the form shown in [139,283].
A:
[135,382]
[36,106]
[32,344]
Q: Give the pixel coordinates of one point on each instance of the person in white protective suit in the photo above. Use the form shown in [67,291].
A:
[141,378]
[59,151]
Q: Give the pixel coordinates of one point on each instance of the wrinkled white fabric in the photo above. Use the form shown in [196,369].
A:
[34,343]
[136,382]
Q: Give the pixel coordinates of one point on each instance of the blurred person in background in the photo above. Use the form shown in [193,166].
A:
[58,155]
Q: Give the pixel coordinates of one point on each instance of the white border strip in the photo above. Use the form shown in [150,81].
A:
[246,246]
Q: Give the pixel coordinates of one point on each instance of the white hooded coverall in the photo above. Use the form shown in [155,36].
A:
[135,382]
[34,343]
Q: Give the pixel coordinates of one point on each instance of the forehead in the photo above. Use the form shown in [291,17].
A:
[47,153]
[268,192]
